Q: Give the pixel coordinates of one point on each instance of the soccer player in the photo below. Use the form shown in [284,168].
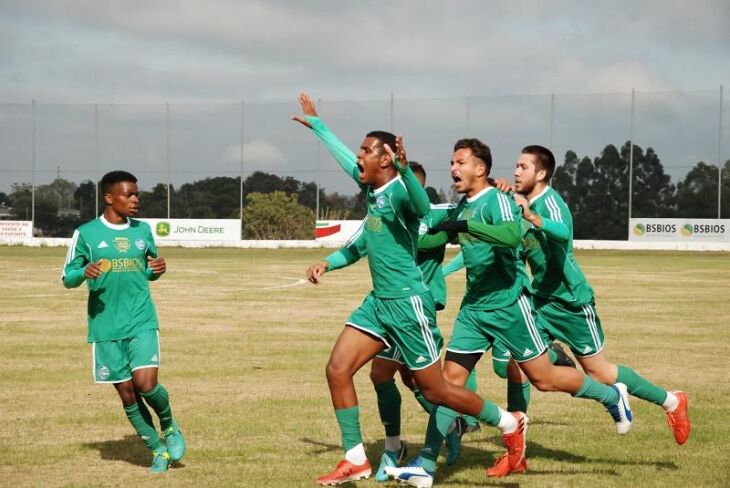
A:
[564,297]
[496,306]
[400,310]
[116,256]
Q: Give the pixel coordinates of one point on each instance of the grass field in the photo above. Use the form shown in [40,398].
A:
[244,344]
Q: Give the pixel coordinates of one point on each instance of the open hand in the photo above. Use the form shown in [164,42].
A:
[157,265]
[315,272]
[400,160]
[308,109]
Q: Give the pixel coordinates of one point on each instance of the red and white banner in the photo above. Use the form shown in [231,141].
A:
[336,230]
[16,229]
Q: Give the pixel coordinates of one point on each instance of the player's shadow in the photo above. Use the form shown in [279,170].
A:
[129,449]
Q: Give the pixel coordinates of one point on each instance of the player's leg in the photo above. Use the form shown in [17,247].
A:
[111,365]
[144,354]
[382,372]
[361,339]
[452,398]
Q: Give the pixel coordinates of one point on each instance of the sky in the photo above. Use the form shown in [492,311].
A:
[206,57]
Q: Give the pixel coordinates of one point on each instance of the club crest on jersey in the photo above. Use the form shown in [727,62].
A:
[121,244]
[380,201]
[141,244]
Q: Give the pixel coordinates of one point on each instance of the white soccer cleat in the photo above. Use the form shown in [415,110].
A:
[621,411]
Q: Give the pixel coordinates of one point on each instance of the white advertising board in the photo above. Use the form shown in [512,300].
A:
[336,230]
[679,230]
[12,229]
[195,229]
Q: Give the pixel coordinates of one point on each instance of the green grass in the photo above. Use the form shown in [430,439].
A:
[244,347]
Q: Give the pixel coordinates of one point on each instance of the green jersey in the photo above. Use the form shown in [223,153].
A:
[549,251]
[495,274]
[119,304]
[392,222]
[429,260]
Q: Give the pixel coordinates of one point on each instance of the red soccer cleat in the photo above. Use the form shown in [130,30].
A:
[514,460]
[678,420]
[501,467]
[344,472]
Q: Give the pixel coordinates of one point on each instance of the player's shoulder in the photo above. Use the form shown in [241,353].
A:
[139,224]
[90,226]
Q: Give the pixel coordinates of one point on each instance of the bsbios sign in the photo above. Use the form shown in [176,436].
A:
[679,230]
[195,229]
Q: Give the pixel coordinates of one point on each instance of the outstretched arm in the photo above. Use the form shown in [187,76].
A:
[342,154]
[501,234]
[419,198]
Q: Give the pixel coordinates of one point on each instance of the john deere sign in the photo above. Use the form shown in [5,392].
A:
[195,229]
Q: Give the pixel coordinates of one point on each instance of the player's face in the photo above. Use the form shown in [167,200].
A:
[370,159]
[526,174]
[123,199]
[466,170]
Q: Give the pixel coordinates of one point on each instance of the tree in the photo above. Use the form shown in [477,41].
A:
[697,194]
[277,215]
[153,204]
[211,198]
[653,194]
[84,197]
[725,214]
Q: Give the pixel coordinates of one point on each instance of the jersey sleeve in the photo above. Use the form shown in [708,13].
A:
[499,223]
[342,154]
[419,203]
[556,220]
[350,253]
[454,265]
[77,257]
[151,251]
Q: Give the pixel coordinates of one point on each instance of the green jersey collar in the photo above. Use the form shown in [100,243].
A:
[536,197]
[380,190]
[479,195]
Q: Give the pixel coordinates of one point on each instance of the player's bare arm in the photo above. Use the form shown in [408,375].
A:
[308,109]
[92,271]
[315,272]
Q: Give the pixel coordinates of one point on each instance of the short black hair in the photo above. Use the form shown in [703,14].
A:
[544,157]
[384,137]
[113,177]
[478,149]
[417,168]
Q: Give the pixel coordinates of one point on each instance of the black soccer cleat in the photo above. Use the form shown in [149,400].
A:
[563,359]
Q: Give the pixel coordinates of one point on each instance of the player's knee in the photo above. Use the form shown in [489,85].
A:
[604,376]
[544,383]
[500,368]
[378,376]
[337,372]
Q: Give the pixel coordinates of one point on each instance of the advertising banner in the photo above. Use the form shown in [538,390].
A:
[16,229]
[336,230]
[679,230]
[195,229]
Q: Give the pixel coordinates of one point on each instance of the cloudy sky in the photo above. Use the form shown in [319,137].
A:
[218,53]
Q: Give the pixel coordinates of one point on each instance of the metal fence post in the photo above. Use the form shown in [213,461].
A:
[167,154]
[32,177]
[631,152]
[96,182]
[719,159]
[240,196]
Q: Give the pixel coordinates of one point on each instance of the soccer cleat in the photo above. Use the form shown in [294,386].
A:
[160,462]
[501,467]
[412,474]
[453,440]
[562,357]
[344,472]
[175,442]
[390,459]
[516,444]
[678,419]
[621,412]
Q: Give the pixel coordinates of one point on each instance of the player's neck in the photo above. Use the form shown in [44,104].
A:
[384,178]
[536,190]
[479,186]
[113,217]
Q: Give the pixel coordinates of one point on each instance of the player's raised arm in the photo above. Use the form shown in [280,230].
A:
[419,198]
[454,265]
[342,154]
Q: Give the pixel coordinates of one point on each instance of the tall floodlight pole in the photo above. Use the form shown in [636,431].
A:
[96,180]
[631,151]
[719,159]
[240,196]
[167,153]
[32,177]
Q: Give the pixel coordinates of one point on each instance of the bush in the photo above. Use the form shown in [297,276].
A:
[277,215]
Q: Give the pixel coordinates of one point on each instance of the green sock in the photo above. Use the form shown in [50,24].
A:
[145,429]
[389,407]
[471,385]
[438,425]
[159,400]
[144,411]
[597,391]
[349,421]
[500,368]
[518,396]
[490,414]
[427,406]
[639,387]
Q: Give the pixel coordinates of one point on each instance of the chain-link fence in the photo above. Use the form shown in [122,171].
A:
[202,160]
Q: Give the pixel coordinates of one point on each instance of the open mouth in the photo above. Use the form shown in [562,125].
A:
[360,168]
[456,179]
